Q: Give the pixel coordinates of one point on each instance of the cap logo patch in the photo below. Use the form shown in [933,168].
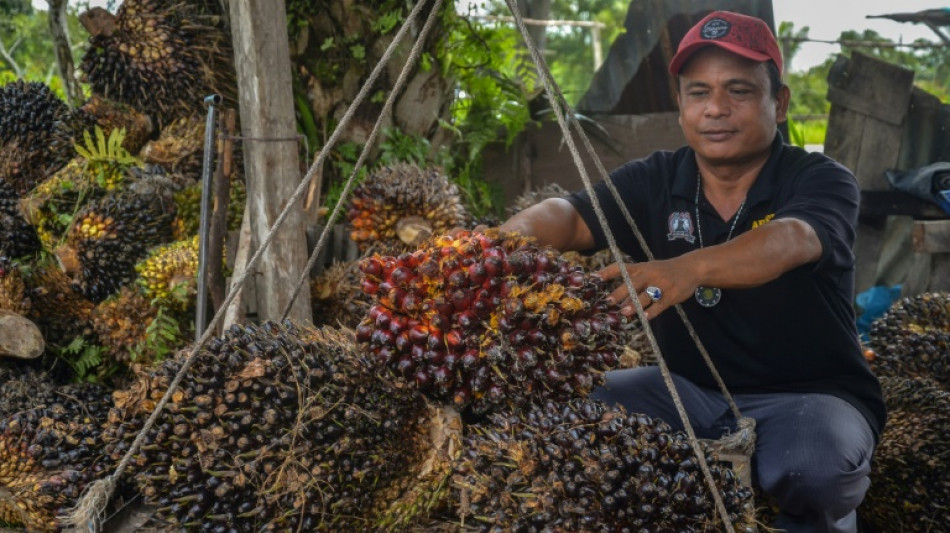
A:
[715,29]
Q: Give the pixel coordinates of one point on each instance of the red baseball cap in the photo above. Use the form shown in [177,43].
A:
[743,35]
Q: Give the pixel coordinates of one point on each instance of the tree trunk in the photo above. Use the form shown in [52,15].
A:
[262,62]
[64,56]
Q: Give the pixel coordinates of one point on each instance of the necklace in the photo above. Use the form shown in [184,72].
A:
[710,296]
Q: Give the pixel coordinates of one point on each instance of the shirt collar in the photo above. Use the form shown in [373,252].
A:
[684,181]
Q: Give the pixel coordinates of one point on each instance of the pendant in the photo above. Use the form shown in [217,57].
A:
[707,296]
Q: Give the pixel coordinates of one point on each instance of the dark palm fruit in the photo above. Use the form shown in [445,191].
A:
[562,467]
[269,417]
[161,57]
[404,204]
[513,339]
[913,339]
[13,292]
[50,450]
[17,237]
[909,490]
[108,237]
[37,132]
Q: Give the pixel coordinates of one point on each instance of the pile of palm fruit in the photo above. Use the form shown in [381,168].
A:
[909,487]
[909,348]
[50,446]
[273,428]
[582,466]
[483,320]
[912,339]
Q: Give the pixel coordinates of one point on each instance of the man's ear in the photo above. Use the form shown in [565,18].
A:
[781,104]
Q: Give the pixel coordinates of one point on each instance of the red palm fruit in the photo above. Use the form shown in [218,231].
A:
[405,366]
[458,278]
[449,265]
[575,279]
[436,339]
[494,266]
[417,352]
[450,360]
[403,344]
[537,338]
[468,320]
[422,379]
[453,341]
[429,268]
[461,299]
[477,273]
[418,333]
[398,323]
[444,307]
[364,331]
[482,307]
[440,321]
[447,251]
[469,358]
[545,263]
[369,287]
[401,276]
[514,308]
[384,355]
[434,356]
[442,376]
[411,303]
[526,357]
[382,320]
[372,266]
[384,287]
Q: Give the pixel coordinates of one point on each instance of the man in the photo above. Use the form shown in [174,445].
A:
[753,237]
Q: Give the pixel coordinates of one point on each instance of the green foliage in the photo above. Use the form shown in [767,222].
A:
[163,336]
[82,357]
[105,149]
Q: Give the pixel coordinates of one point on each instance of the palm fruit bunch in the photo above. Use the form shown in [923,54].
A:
[337,297]
[272,428]
[13,292]
[133,331]
[49,453]
[179,147]
[403,203]
[489,319]
[111,116]
[17,237]
[909,487]
[912,339]
[169,275]
[60,312]
[22,387]
[188,203]
[108,237]
[159,56]
[36,132]
[582,466]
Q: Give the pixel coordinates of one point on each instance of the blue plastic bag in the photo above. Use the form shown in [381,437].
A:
[874,302]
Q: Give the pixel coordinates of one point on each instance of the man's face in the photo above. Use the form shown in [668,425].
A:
[726,109]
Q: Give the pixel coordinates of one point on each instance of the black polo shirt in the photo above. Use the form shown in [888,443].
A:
[796,333]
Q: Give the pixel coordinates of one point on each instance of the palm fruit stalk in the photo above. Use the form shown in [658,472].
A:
[909,488]
[49,453]
[582,466]
[404,204]
[36,134]
[483,320]
[913,339]
[179,147]
[273,428]
[108,237]
[17,237]
[161,57]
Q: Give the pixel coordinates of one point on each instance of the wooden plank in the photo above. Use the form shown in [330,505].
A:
[268,125]
[894,202]
[843,138]
[872,87]
[931,236]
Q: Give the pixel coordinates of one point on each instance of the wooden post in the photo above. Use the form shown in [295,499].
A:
[268,125]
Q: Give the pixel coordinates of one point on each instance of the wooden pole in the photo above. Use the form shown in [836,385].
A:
[268,125]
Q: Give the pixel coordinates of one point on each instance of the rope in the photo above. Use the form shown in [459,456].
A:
[377,127]
[556,104]
[89,510]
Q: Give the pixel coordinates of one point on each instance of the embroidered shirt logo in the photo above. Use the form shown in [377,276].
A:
[681,227]
[758,223]
[715,29]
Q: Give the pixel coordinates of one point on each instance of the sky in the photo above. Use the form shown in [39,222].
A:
[826,20]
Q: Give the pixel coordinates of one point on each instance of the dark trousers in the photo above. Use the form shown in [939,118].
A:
[812,451]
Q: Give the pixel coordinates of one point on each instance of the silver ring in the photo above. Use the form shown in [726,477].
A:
[654,293]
